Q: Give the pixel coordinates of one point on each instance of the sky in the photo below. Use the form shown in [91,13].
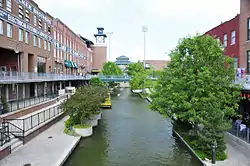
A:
[167,21]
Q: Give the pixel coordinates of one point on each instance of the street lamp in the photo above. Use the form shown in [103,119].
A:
[110,35]
[144,30]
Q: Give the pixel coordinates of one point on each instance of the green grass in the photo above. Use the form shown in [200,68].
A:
[82,126]
[70,131]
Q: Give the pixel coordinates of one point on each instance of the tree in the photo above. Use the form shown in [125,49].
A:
[96,81]
[197,88]
[111,69]
[84,104]
[135,68]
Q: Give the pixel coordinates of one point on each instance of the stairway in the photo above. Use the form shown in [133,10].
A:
[15,144]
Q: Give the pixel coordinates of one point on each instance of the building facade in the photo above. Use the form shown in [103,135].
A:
[157,64]
[39,53]
[245,35]
[228,33]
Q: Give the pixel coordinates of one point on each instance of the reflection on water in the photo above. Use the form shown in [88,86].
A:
[131,135]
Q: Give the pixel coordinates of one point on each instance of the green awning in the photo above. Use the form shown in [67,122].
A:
[68,63]
[76,65]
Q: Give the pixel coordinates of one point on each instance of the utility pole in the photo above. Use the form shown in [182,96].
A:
[110,35]
[144,30]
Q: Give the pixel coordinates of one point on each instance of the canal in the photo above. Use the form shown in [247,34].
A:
[131,135]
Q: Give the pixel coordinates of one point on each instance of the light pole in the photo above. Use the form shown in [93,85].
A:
[144,30]
[110,35]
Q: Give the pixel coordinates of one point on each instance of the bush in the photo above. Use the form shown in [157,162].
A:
[82,126]
[69,123]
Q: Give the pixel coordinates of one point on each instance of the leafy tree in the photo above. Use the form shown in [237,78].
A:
[197,88]
[139,79]
[135,68]
[96,81]
[84,104]
[111,69]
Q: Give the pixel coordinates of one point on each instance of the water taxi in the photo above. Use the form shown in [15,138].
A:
[107,103]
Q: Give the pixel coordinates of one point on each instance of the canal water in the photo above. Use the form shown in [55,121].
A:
[131,135]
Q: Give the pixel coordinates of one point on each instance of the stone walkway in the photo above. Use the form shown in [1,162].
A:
[42,150]
[236,157]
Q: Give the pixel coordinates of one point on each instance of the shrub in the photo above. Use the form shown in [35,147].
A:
[82,126]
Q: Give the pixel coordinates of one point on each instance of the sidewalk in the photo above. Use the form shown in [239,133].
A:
[50,148]
[236,157]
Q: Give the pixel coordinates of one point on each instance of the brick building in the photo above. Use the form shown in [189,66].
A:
[39,53]
[157,64]
[245,35]
[228,33]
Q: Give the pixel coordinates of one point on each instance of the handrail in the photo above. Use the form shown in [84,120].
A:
[4,135]
[14,130]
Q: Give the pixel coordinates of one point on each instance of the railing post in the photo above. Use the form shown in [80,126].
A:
[237,130]
[23,127]
[54,111]
[44,116]
[247,134]
[31,121]
[38,118]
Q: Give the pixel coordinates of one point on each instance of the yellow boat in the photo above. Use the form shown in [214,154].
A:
[107,103]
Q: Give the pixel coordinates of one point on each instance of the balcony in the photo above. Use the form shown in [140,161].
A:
[15,77]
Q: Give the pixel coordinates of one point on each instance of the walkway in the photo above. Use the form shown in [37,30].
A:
[43,150]
[236,157]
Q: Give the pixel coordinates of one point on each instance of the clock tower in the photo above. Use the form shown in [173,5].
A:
[100,36]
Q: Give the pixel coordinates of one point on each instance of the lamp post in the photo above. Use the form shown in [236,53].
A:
[144,30]
[110,35]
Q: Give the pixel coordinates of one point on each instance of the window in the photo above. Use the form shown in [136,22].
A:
[27,35]
[225,40]
[45,44]
[61,39]
[49,45]
[233,35]
[58,37]
[40,23]
[39,42]
[54,52]
[20,32]
[8,5]
[45,27]
[1,26]
[248,61]
[248,29]
[27,16]
[35,20]
[55,35]
[49,29]
[34,40]
[9,30]
[20,12]
[1,3]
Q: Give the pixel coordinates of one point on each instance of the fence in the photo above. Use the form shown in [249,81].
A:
[4,135]
[20,104]
[32,121]
[240,131]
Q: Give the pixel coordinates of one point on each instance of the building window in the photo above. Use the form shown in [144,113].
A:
[49,29]
[225,40]
[34,40]
[49,46]
[55,35]
[1,26]
[27,16]
[248,61]
[35,20]
[20,12]
[45,27]
[27,35]
[54,52]
[233,39]
[248,29]
[40,23]
[9,30]
[45,44]
[1,3]
[39,42]
[8,5]
[20,32]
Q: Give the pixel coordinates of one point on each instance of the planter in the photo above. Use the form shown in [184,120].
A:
[98,116]
[93,122]
[84,132]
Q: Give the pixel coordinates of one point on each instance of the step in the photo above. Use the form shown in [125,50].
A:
[15,144]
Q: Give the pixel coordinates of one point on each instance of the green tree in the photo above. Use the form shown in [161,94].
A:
[84,104]
[135,68]
[197,88]
[96,81]
[111,69]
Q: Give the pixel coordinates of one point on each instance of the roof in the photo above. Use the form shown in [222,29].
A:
[122,57]
[123,62]
[86,40]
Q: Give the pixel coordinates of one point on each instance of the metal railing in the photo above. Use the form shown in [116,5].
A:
[24,103]
[29,123]
[4,134]
[34,76]
[242,133]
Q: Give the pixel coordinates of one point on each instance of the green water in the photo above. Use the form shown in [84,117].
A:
[131,135]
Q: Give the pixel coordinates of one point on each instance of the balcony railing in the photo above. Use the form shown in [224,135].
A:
[19,77]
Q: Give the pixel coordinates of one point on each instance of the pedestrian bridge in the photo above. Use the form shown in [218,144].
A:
[115,78]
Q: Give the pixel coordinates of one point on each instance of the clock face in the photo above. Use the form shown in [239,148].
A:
[100,39]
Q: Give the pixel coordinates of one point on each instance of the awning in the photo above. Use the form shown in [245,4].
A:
[68,63]
[75,65]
